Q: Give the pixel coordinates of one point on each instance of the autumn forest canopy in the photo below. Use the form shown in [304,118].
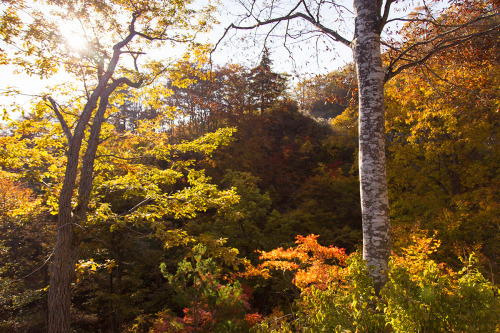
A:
[152,190]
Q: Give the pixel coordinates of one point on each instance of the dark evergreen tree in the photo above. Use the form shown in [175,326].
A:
[265,85]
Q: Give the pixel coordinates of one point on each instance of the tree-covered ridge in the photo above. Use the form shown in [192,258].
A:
[222,201]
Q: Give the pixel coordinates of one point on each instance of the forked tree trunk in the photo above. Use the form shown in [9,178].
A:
[63,266]
[372,170]
[65,252]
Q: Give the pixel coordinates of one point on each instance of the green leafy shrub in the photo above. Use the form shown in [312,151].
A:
[347,305]
[424,296]
[210,305]
[420,296]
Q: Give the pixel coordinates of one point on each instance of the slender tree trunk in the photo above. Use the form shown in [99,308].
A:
[60,283]
[63,266]
[372,171]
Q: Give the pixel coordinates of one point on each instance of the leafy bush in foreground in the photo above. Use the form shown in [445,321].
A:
[421,296]
[210,305]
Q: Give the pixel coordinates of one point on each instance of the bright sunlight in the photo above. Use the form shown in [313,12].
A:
[75,40]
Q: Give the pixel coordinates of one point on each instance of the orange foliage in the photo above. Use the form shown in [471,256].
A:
[15,199]
[312,263]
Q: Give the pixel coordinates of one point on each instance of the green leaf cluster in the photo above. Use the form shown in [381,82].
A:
[210,305]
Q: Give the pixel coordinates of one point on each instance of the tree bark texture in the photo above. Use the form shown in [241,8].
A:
[65,252]
[63,266]
[372,169]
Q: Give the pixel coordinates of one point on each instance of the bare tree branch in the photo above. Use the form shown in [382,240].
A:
[123,80]
[60,118]
[336,36]
[292,14]
[385,15]
[136,207]
[123,158]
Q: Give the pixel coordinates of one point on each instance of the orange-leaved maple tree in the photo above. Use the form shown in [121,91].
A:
[311,263]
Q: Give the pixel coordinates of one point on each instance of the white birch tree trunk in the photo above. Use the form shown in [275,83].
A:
[372,169]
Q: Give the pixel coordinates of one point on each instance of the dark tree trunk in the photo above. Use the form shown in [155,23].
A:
[60,282]
[63,265]
[65,251]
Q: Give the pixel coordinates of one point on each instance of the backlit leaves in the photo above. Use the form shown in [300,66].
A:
[311,263]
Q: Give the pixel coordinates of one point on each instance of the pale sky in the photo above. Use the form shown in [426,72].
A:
[316,56]
[301,57]
[304,58]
